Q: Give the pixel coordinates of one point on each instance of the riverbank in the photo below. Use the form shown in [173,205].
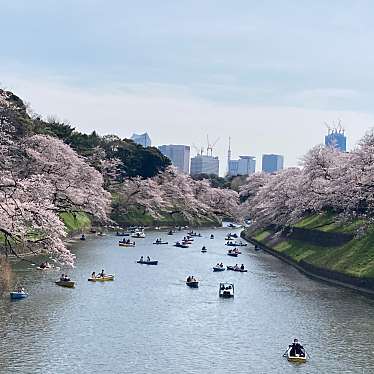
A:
[324,249]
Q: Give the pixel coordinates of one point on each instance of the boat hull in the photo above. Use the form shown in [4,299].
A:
[296,359]
[147,262]
[126,245]
[18,295]
[232,268]
[106,278]
[193,284]
[67,284]
[218,269]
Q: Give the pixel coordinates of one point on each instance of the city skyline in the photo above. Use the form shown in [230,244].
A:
[233,70]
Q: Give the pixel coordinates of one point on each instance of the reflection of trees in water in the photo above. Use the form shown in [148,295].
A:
[6,275]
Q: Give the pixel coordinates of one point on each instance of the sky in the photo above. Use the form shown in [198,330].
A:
[269,73]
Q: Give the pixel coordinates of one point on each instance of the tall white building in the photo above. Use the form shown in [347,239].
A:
[244,166]
[179,156]
[142,139]
[204,164]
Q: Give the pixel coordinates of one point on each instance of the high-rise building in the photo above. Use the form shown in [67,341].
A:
[179,156]
[204,164]
[142,139]
[337,139]
[244,166]
[272,163]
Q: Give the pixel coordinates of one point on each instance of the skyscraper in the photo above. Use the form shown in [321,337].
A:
[142,139]
[204,164]
[272,163]
[244,166]
[179,156]
[337,139]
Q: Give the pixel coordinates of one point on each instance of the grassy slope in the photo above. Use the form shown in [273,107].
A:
[355,258]
[76,222]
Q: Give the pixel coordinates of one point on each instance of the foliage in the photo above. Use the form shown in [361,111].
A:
[328,181]
[40,177]
[215,180]
[175,193]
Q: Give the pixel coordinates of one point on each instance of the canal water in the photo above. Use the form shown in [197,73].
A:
[148,321]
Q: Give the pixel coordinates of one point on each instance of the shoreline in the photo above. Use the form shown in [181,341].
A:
[362,285]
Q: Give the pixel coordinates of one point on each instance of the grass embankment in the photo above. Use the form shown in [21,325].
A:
[76,222]
[354,258]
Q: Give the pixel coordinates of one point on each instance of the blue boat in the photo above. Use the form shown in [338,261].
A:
[16,295]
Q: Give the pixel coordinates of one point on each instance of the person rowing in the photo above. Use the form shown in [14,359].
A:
[296,349]
[102,274]
[141,259]
[148,259]
[242,267]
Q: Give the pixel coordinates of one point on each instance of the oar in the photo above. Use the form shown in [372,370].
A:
[285,353]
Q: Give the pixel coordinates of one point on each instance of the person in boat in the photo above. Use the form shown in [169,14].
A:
[102,274]
[296,348]
[242,267]
[20,289]
[204,248]
[148,258]
[62,278]
[218,265]
[42,265]
[212,236]
[66,278]
[189,278]
[93,275]
[236,267]
[221,265]
[141,259]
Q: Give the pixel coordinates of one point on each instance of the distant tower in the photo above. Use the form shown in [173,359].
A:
[336,137]
[229,156]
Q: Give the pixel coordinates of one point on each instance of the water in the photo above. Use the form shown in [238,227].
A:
[148,321]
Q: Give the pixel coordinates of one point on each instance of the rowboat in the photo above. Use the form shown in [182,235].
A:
[232,244]
[16,295]
[68,284]
[218,268]
[139,235]
[147,262]
[99,278]
[179,245]
[226,290]
[122,234]
[297,358]
[50,267]
[233,268]
[232,254]
[193,284]
[122,244]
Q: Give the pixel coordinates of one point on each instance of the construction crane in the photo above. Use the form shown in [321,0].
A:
[199,151]
[210,147]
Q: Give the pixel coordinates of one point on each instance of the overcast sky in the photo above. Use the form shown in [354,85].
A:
[267,73]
